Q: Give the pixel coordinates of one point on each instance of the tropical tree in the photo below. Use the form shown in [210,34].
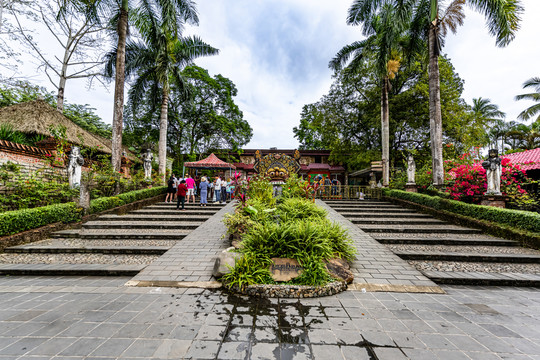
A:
[535,96]
[157,62]
[527,136]
[116,13]
[384,29]
[431,22]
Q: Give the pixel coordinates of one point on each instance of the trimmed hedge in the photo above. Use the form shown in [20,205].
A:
[524,220]
[13,222]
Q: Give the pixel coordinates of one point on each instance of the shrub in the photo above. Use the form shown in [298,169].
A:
[12,222]
[524,220]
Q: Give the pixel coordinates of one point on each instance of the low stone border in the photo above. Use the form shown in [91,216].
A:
[289,291]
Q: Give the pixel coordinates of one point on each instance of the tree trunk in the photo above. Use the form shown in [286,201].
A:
[163,123]
[385,133]
[435,117]
[118,116]
[62,82]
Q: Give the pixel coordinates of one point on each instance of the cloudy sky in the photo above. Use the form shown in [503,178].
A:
[277,53]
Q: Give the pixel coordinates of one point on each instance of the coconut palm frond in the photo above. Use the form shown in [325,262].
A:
[503,18]
[453,17]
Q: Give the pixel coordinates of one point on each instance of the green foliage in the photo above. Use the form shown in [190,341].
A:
[296,228]
[260,188]
[84,116]
[12,222]
[294,187]
[519,219]
[249,270]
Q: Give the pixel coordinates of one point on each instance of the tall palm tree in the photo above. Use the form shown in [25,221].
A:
[485,111]
[116,12]
[528,136]
[431,22]
[535,96]
[384,31]
[157,62]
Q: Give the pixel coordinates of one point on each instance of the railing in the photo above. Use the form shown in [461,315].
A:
[352,192]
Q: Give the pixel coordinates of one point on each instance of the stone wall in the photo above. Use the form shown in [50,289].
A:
[30,160]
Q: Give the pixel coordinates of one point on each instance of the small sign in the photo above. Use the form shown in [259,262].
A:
[284,269]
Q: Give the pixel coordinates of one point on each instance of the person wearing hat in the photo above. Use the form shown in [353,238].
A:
[203,187]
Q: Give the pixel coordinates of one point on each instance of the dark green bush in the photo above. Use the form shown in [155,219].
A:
[524,220]
[12,222]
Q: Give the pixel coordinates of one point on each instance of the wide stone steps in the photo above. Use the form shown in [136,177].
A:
[111,245]
[56,249]
[446,241]
[469,257]
[174,217]
[406,215]
[146,234]
[71,269]
[395,221]
[161,225]
[445,253]
[484,278]
[431,229]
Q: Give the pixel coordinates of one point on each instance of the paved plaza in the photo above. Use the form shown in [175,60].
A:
[172,310]
[100,318]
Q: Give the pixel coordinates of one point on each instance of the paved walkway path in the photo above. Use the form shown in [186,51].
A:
[99,318]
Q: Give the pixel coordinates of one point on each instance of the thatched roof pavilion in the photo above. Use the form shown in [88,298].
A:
[37,117]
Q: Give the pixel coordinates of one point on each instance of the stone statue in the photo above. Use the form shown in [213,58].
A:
[411,170]
[147,164]
[74,167]
[493,173]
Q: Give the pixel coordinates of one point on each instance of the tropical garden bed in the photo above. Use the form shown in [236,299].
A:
[264,228]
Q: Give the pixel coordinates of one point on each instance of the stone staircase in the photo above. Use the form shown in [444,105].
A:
[115,245]
[444,252]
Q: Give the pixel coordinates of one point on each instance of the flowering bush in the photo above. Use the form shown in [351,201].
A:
[466,179]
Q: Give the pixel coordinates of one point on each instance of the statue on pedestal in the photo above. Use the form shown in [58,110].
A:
[147,163]
[411,170]
[74,167]
[493,173]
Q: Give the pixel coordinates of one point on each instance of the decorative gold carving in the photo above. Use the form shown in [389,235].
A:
[277,166]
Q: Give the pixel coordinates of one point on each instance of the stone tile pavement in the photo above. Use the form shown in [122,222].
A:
[99,318]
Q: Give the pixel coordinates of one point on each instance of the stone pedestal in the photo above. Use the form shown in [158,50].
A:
[411,187]
[495,201]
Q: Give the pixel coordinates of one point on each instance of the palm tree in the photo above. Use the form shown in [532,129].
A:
[384,31]
[157,62]
[432,23]
[116,13]
[484,110]
[535,96]
[528,136]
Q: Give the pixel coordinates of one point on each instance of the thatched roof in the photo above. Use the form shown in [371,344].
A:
[38,116]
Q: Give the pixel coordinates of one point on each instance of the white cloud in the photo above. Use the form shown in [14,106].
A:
[277,54]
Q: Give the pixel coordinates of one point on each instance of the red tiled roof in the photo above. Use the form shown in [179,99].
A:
[317,166]
[529,159]
[243,166]
[11,146]
[212,161]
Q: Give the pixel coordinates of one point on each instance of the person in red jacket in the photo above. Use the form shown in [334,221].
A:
[181,194]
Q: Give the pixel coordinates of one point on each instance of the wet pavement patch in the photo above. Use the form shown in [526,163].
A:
[287,329]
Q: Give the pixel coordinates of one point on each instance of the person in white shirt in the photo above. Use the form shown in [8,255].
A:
[217,189]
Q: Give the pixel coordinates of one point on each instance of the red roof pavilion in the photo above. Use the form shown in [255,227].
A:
[211,162]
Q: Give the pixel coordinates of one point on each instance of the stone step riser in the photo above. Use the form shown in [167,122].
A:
[491,258]
[133,237]
[86,250]
[156,226]
[484,282]
[466,242]
[419,231]
[387,215]
[179,219]
[376,211]
[67,272]
[172,212]
[395,222]
[64,236]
